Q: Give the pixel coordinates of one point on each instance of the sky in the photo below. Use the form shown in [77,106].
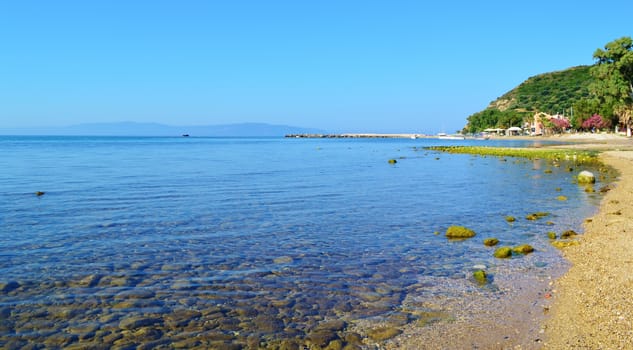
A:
[342,66]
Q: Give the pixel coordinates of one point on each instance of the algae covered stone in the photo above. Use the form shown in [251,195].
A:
[510,218]
[383,333]
[523,249]
[551,235]
[459,232]
[568,234]
[480,276]
[537,215]
[586,177]
[490,242]
[503,252]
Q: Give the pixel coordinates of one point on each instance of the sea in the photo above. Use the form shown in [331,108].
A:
[150,242]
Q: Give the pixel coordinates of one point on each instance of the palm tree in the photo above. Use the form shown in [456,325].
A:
[625,114]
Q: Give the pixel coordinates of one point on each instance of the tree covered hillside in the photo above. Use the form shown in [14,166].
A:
[552,93]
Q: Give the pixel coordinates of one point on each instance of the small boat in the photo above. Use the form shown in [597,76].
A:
[185,135]
[444,136]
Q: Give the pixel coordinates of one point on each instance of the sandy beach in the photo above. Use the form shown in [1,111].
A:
[588,307]
[592,306]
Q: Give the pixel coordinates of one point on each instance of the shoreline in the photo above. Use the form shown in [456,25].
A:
[592,307]
[586,305]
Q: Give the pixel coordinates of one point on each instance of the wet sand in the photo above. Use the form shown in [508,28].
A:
[589,307]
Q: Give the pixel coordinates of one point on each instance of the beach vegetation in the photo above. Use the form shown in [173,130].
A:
[459,232]
[554,92]
[612,85]
[590,98]
[595,122]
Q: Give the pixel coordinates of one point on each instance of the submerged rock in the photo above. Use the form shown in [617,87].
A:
[551,235]
[537,215]
[586,177]
[383,333]
[523,249]
[490,242]
[510,218]
[564,244]
[459,232]
[8,286]
[568,234]
[503,252]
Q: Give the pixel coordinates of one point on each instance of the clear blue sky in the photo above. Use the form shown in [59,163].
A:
[343,66]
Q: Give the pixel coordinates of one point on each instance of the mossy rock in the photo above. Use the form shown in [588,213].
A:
[568,234]
[510,218]
[523,249]
[480,276]
[564,244]
[383,333]
[537,215]
[491,242]
[551,235]
[503,252]
[561,198]
[589,189]
[392,161]
[586,177]
[459,232]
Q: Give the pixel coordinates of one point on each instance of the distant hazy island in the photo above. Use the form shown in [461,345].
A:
[155,129]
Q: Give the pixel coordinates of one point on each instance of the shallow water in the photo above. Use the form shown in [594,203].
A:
[222,242]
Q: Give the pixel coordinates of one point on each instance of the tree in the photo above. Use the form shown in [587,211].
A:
[626,117]
[613,73]
[560,125]
[596,122]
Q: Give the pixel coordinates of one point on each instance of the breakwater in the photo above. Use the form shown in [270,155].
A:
[357,136]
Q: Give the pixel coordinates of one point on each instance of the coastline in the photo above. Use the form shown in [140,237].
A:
[587,306]
[592,307]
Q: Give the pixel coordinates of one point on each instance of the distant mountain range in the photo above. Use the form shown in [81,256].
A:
[155,129]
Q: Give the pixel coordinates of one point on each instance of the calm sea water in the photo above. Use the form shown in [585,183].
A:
[250,242]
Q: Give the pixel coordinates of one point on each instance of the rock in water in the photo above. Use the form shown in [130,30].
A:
[459,232]
[480,276]
[503,252]
[586,177]
[491,242]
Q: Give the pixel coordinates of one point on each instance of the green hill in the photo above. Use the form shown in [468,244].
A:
[551,93]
